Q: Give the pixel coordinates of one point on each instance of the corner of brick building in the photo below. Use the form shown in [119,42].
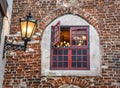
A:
[23,69]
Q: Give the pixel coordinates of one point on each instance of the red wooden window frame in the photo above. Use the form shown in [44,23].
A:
[74,57]
[55,33]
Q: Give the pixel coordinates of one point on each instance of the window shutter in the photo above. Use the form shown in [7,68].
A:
[79,36]
[56,33]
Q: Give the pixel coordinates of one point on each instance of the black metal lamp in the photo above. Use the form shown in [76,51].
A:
[27,26]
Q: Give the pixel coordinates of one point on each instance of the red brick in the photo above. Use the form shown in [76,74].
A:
[101,14]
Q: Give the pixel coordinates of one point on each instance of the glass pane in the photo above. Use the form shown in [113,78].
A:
[78,37]
[30,29]
[78,64]
[65,64]
[79,52]
[59,64]
[65,52]
[23,28]
[55,51]
[84,31]
[84,52]
[59,58]
[84,64]
[33,29]
[84,42]
[73,42]
[78,58]
[73,52]
[54,58]
[54,64]
[73,58]
[79,31]
[73,39]
[65,58]
[60,52]
[84,58]
[73,64]
[78,42]
[74,31]
[84,37]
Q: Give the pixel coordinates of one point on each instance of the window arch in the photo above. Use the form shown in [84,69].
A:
[95,58]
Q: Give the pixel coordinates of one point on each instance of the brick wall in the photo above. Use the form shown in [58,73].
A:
[23,69]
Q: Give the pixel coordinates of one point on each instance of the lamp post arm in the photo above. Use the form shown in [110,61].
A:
[25,45]
[9,45]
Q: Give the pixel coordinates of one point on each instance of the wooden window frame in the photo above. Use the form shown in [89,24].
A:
[69,54]
[55,33]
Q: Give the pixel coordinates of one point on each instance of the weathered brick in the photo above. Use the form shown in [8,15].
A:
[102,14]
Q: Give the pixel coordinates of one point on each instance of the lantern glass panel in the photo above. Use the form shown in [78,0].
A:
[30,29]
[23,28]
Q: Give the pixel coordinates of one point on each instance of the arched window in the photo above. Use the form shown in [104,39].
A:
[70,46]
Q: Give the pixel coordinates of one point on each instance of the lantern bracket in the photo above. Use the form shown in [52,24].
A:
[27,26]
[11,45]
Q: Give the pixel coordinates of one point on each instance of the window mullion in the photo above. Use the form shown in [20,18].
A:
[69,58]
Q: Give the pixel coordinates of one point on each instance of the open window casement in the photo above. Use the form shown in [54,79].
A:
[75,55]
[56,34]
[79,36]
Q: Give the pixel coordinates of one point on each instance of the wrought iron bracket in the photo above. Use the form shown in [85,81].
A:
[8,45]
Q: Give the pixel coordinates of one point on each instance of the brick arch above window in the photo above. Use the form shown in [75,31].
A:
[67,82]
[52,15]
[95,52]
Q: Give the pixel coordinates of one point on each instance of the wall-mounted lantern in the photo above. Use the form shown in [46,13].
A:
[27,26]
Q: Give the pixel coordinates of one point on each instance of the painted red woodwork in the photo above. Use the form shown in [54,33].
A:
[56,33]
[75,57]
